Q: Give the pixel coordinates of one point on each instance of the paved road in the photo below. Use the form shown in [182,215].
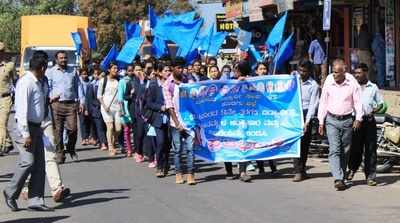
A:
[117,190]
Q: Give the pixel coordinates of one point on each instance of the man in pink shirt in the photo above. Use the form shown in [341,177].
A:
[340,100]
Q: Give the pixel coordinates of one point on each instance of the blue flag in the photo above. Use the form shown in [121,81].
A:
[132,30]
[285,52]
[111,56]
[255,53]
[152,17]
[92,38]
[276,35]
[183,34]
[244,39]
[76,37]
[130,49]
[159,47]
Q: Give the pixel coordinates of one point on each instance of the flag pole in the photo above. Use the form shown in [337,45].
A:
[279,47]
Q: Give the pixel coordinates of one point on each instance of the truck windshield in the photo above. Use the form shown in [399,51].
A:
[51,52]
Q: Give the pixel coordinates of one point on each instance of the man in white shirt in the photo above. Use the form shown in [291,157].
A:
[30,110]
[365,141]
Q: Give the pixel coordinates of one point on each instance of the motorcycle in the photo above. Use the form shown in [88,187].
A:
[388,142]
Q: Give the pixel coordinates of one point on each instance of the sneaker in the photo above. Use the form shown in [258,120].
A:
[160,174]
[372,183]
[298,177]
[179,179]
[139,158]
[152,164]
[244,177]
[190,179]
[339,185]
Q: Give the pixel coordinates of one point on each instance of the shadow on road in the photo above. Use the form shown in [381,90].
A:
[38,220]
[75,199]
[5,177]
[104,158]
[381,180]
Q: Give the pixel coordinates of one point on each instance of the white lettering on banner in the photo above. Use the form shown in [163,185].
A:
[228,112]
[232,103]
[208,115]
[256,133]
[248,112]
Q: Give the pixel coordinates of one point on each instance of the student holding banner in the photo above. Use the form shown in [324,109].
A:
[309,102]
[242,70]
[182,138]
[261,70]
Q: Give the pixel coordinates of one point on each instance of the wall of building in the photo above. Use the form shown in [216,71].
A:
[392,98]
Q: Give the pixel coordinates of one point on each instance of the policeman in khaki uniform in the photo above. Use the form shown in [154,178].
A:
[6,81]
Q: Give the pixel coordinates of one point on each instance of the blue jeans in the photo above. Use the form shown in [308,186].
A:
[339,134]
[182,141]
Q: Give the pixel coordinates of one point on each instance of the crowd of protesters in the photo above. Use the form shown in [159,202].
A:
[132,110]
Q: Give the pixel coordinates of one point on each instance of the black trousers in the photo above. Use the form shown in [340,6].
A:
[100,129]
[139,134]
[364,141]
[229,167]
[243,166]
[85,125]
[299,164]
[162,147]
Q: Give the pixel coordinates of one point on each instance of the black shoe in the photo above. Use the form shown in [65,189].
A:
[245,178]
[350,175]
[40,208]
[230,176]
[11,203]
[339,185]
[66,192]
[74,156]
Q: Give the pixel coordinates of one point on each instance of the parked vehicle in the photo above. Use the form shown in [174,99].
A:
[388,142]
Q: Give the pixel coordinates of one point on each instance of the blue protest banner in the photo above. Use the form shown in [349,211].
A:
[326,21]
[130,49]
[256,119]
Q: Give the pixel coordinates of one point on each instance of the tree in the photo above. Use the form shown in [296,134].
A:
[108,16]
[11,12]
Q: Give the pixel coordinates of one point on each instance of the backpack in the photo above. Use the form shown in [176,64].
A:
[103,87]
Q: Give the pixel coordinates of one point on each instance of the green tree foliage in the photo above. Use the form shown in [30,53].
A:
[11,12]
[106,16]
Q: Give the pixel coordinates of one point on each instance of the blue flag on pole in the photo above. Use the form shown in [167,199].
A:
[183,34]
[76,37]
[92,38]
[159,47]
[285,52]
[111,56]
[130,49]
[276,35]
[152,17]
[255,53]
[131,30]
